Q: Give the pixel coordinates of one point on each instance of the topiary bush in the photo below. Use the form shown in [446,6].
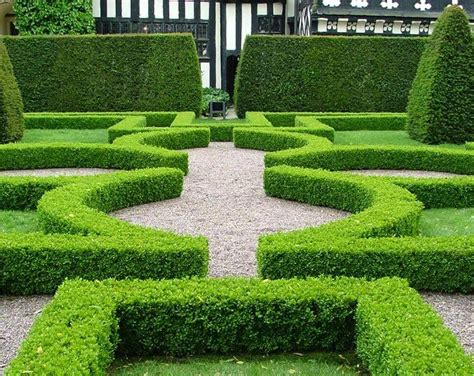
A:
[442,96]
[39,17]
[11,105]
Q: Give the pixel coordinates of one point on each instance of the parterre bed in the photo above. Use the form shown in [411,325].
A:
[80,240]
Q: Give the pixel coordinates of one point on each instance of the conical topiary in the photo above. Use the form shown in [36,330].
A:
[11,104]
[441,101]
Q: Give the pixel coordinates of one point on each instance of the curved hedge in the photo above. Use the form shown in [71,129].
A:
[351,74]
[392,329]
[11,104]
[84,241]
[107,73]
[378,241]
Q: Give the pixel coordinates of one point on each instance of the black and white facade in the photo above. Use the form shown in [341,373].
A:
[220,26]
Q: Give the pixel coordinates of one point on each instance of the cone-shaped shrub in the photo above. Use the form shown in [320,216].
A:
[11,105]
[441,102]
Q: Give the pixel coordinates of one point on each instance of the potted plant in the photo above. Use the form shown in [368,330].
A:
[215,102]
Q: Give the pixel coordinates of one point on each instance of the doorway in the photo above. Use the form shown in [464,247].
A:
[231,71]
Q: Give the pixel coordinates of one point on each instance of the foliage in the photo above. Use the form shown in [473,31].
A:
[11,105]
[351,74]
[442,95]
[210,94]
[393,329]
[39,17]
[107,72]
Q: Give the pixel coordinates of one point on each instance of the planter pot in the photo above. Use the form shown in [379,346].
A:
[217,108]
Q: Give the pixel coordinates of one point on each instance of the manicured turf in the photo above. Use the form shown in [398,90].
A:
[18,221]
[447,222]
[323,364]
[65,135]
[213,121]
[381,138]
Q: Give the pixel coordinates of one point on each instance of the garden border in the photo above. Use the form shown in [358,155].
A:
[394,330]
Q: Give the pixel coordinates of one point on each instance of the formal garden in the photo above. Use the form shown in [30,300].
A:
[327,230]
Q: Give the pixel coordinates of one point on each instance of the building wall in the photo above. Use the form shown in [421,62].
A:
[219,27]
[5,18]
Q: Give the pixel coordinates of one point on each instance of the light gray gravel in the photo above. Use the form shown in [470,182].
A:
[57,172]
[16,317]
[224,200]
[405,173]
[457,311]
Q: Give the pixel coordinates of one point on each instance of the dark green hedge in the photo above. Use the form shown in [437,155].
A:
[393,330]
[11,104]
[107,73]
[350,74]
[440,109]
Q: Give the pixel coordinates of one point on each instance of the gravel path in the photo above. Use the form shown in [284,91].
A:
[405,173]
[57,172]
[16,317]
[224,200]
[457,311]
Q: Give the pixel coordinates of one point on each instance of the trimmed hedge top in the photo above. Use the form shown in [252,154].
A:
[393,330]
[107,73]
[11,104]
[351,74]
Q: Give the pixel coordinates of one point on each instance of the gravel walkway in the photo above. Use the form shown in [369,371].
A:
[224,200]
[16,317]
[405,173]
[457,311]
[57,172]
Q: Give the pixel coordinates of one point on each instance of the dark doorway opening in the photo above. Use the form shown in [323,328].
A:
[231,71]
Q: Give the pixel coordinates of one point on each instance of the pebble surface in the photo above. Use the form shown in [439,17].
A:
[224,200]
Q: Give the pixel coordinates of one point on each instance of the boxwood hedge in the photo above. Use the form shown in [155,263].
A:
[380,240]
[351,74]
[391,328]
[107,72]
[94,245]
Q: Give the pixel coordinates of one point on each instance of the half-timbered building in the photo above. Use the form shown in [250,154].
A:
[220,26]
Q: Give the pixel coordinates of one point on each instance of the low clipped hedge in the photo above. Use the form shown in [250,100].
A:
[93,245]
[11,104]
[83,241]
[380,240]
[319,73]
[157,72]
[384,320]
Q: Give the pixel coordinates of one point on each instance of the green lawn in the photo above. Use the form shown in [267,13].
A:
[18,221]
[321,364]
[447,222]
[382,138]
[212,121]
[65,135]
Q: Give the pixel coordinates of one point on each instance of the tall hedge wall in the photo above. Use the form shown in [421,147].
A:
[349,74]
[107,73]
